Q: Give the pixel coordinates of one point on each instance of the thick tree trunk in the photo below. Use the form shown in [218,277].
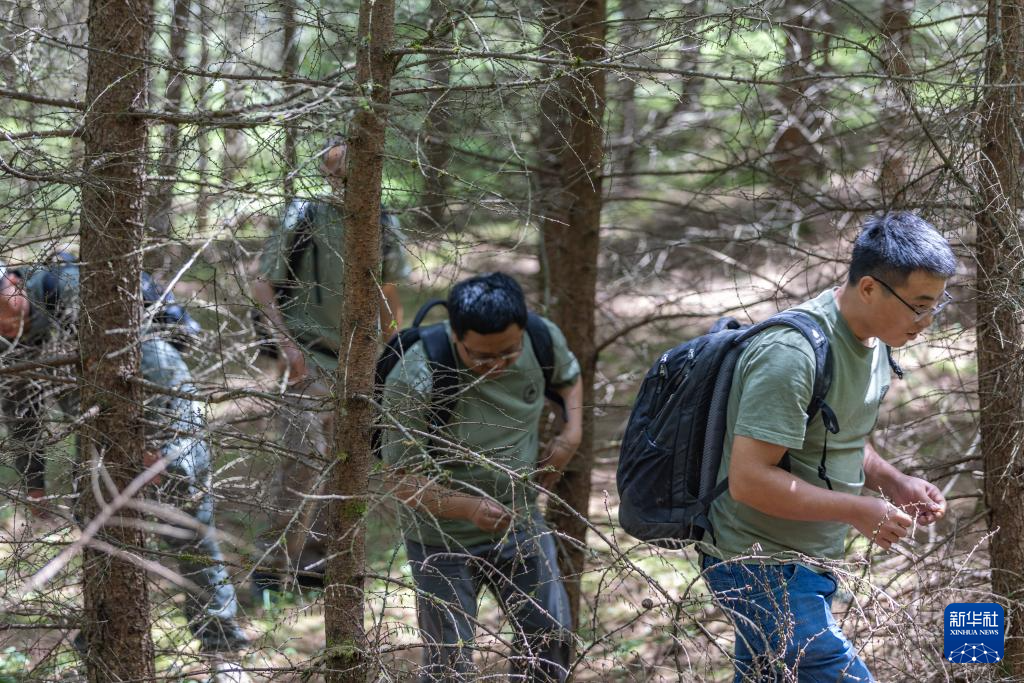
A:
[570,242]
[1000,339]
[117,624]
[346,658]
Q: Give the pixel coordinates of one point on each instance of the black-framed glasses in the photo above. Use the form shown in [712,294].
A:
[920,312]
[476,358]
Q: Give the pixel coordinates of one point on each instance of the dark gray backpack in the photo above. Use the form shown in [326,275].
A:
[672,448]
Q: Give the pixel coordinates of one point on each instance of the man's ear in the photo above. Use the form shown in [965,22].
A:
[867,287]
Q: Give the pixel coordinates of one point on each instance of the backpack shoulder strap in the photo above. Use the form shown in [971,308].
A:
[812,332]
[443,375]
[299,239]
[544,349]
[425,309]
[893,365]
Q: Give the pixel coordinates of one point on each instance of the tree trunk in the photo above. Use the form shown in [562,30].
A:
[570,243]
[117,625]
[1000,340]
[203,142]
[159,211]
[793,152]
[346,657]
[290,66]
[893,173]
[437,128]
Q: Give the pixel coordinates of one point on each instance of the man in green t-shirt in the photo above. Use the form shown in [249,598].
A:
[783,517]
[300,292]
[471,491]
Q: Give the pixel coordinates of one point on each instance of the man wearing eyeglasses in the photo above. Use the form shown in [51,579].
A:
[782,523]
[470,492]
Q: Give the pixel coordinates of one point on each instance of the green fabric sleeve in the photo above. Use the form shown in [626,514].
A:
[567,368]
[406,397]
[274,259]
[394,265]
[777,379]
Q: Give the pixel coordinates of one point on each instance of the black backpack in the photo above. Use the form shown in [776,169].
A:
[170,314]
[672,448]
[444,369]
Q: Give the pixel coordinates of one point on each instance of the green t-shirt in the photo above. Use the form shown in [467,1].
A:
[494,422]
[769,396]
[312,309]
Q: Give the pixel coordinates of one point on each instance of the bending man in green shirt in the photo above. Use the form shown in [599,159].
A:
[781,521]
[300,290]
[471,492]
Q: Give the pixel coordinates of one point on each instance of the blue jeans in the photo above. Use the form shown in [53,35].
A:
[784,623]
[523,574]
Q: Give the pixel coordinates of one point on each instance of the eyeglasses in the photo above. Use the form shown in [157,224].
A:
[920,312]
[477,358]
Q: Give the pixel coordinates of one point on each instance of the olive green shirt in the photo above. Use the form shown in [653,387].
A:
[311,298]
[493,428]
[769,396]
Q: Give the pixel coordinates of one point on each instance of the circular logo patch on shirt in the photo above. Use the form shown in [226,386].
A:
[531,393]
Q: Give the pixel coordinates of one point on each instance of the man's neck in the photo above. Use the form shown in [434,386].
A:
[850,310]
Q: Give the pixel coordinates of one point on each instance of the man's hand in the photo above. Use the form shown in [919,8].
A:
[919,499]
[14,306]
[490,516]
[556,456]
[149,458]
[37,508]
[292,360]
[880,521]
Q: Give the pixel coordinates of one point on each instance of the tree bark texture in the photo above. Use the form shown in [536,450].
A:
[347,658]
[794,151]
[1000,339]
[895,119]
[117,623]
[571,239]
[290,67]
[161,201]
[437,130]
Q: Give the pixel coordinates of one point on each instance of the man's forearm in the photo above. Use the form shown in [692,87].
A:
[572,431]
[263,293]
[780,494]
[879,475]
[424,495]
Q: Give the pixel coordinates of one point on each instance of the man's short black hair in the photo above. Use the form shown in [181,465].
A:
[895,244]
[486,304]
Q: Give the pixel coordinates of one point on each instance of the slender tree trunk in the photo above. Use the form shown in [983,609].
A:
[438,129]
[571,249]
[893,173]
[203,163]
[1000,339]
[632,13]
[346,658]
[117,624]
[290,66]
[159,211]
[794,155]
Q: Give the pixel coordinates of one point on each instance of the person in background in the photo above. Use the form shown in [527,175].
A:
[300,293]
